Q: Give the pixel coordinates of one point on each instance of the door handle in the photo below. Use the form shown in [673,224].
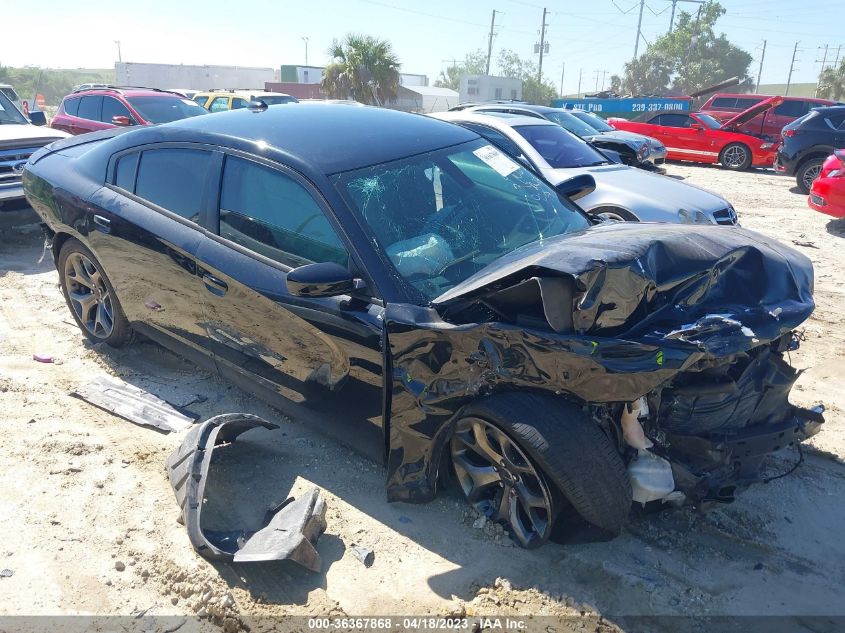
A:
[102,224]
[214,285]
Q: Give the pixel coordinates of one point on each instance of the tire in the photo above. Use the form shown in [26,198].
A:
[736,157]
[90,296]
[573,454]
[614,213]
[807,173]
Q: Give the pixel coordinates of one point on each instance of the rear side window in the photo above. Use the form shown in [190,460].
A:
[238,103]
[723,102]
[125,172]
[746,102]
[174,179]
[672,120]
[89,108]
[270,213]
[793,109]
[219,104]
[836,121]
[111,108]
[72,106]
[201,100]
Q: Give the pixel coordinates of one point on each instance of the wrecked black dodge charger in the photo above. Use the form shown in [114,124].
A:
[401,283]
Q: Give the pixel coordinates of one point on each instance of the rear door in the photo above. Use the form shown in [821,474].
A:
[144,227]
[320,358]
[88,115]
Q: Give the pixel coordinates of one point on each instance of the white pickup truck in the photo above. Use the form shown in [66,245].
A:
[19,138]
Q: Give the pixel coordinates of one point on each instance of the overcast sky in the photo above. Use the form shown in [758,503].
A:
[594,35]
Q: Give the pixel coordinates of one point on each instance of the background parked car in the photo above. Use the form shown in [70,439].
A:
[633,149]
[11,95]
[828,191]
[808,141]
[699,138]
[658,151]
[19,139]
[220,100]
[91,109]
[621,192]
[724,106]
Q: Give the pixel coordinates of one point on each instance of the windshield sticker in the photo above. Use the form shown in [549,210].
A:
[503,165]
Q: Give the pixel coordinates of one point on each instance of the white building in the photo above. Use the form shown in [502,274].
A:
[195,77]
[290,73]
[424,99]
[488,87]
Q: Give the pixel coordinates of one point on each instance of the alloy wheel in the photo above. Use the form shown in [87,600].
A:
[734,156]
[89,296]
[501,482]
[810,175]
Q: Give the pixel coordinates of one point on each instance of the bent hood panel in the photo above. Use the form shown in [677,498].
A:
[723,289]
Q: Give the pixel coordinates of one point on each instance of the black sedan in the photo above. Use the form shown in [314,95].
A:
[403,283]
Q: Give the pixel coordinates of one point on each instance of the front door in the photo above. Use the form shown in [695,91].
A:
[322,356]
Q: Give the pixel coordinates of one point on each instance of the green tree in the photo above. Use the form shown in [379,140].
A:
[475,63]
[363,68]
[689,58]
[534,90]
[832,83]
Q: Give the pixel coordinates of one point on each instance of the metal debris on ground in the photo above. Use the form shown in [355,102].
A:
[133,404]
[290,529]
[6,573]
[363,554]
[42,358]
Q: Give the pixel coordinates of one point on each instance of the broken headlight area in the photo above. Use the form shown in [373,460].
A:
[290,529]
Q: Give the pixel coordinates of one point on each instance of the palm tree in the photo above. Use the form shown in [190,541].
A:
[363,68]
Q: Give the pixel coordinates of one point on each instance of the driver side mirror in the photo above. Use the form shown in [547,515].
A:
[577,186]
[324,279]
[36,117]
[120,120]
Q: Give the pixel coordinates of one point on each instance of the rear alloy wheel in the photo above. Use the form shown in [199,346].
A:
[808,173]
[499,479]
[736,156]
[90,296]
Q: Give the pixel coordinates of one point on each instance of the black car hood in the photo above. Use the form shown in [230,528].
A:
[721,289]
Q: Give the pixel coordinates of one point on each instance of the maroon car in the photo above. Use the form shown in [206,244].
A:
[101,108]
[724,106]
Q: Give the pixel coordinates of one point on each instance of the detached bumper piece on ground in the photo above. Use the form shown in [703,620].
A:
[291,529]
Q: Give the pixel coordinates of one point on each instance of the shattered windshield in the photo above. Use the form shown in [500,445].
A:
[442,216]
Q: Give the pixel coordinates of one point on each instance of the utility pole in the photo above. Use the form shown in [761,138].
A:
[603,75]
[305,39]
[791,69]
[838,50]
[119,57]
[674,2]
[821,72]
[639,29]
[490,43]
[597,79]
[562,71]
[542,44]
[580,74]
[760,70]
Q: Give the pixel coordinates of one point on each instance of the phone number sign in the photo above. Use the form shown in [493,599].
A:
[619,106]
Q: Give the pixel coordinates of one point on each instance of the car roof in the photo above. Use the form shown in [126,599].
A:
[330,137]
[516,105]
[760,97]
[126,92]
[498,122]
[243,93]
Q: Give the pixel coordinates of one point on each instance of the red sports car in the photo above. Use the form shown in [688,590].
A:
[828,191]
[700,138]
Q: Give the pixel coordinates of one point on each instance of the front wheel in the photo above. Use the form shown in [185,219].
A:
[807,174]
[736,156]
[90,295]
[523,459]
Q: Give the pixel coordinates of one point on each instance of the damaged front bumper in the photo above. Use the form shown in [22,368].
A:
[714,466]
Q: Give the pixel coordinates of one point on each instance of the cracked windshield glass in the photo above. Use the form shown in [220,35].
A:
[442,216]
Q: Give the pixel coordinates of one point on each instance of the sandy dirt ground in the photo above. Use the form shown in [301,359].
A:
[88,520]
